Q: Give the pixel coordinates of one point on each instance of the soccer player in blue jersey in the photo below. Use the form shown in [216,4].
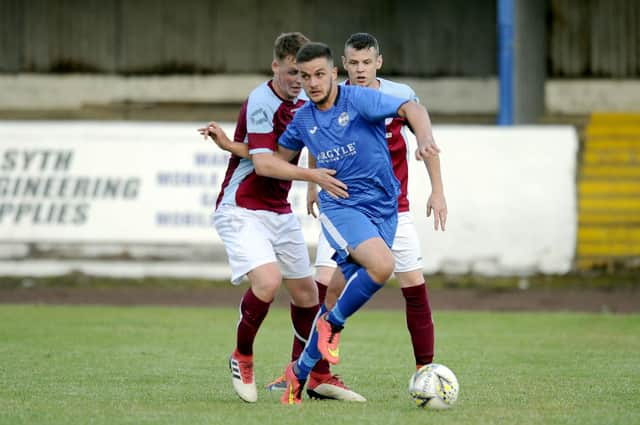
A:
[343,127]
[362,59]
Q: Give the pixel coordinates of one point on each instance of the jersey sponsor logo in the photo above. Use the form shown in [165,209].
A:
[337,153]
[259,116]
[343,119]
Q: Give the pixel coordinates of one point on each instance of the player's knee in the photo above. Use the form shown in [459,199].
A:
[265,289]
[303,291]
[324,274]
[334,290]
[410,279]
[304,294]
[333,293]
[381,270]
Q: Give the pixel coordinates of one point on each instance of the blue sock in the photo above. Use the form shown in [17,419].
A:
[360,288]
[310,355]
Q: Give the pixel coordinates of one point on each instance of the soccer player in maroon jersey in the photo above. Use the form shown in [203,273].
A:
[362,60]
[261,235]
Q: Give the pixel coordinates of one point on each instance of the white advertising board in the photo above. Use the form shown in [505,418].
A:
[511,197]
[511,191]
[112,182]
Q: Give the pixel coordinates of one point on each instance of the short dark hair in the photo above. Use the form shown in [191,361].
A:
[313,50]
[362,41]
[288,44]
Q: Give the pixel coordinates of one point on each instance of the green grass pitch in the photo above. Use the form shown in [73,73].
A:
[160,365]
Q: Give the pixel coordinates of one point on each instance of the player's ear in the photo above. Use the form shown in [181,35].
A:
[275,66]
[379,62]
[344,63]
[334,73]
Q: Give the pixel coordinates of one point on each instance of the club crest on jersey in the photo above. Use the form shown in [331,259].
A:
[343,119]
[259,117]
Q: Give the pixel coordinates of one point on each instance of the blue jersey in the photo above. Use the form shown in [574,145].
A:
[350,138]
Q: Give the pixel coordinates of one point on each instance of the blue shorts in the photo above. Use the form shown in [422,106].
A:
[347,228]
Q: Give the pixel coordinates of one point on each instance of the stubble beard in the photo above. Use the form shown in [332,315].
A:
[325,99]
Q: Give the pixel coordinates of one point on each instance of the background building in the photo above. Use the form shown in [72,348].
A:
[145,58]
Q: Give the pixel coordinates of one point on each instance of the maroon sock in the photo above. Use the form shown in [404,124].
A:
[322,367]
[322,292]
[419,322]
[302,319]
[252,312]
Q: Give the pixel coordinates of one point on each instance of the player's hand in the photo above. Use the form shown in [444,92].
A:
[426,150]
[215,132]
[438,204]
[206,131]
[334,187]
[312,198]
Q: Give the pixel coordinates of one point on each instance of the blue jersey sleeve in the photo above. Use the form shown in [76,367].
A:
[291,139]
[375,105]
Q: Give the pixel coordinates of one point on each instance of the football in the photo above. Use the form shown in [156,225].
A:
[434,386]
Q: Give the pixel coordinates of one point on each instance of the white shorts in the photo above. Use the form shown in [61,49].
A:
[406,247]
[253,238]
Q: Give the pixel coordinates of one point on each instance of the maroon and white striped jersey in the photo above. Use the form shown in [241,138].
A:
[262,119]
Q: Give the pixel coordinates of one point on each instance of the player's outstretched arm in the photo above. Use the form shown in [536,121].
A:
[419,121]
[428,152]
[221,139]
[436,202]
[276,166]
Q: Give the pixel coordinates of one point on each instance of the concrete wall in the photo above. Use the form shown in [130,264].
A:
[47,94]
